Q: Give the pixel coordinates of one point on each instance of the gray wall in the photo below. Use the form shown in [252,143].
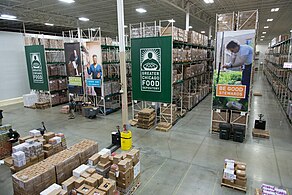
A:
[13,73]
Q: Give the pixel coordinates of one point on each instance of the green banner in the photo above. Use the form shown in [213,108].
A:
[75,81]
[36,67]
[152,69]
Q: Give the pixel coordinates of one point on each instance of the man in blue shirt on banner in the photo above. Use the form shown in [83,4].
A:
[95,70]
[241,56]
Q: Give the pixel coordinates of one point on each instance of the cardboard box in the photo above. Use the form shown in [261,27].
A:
[93,160]
[53,189]
[124,165]
[97,192]
[79,170]
[48,147]
[104,159]
[111,159]
[48,136]
[103,166]
[22,139]
[79,182]
[68,184]
[85,175]
[112,175]
[107,187]
[98,177]
[91,171]
[91,181]
[117,158]
[84,189]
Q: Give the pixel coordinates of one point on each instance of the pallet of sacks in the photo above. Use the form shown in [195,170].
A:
[146,118]
[234,175]
[55,169]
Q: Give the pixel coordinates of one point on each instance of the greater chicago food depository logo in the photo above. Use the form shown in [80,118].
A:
[36,68]
[150,69]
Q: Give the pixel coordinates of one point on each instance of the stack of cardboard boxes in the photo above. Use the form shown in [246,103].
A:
[126,170]
[234,174]
[146,118]
[55,169]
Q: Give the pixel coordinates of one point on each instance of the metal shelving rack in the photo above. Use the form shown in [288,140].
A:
[54,61]
[179,87]
[278,76]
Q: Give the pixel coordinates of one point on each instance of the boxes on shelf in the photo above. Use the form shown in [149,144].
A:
[166,115]
[247,20]
[225,22]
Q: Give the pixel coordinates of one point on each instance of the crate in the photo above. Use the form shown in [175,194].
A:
[238,117]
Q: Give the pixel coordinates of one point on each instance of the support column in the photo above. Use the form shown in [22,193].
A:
[210,32]
[123,69]
[187,16]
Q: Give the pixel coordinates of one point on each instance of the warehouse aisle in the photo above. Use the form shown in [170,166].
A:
[187,159]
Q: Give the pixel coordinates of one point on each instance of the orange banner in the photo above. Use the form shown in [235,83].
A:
[236,91]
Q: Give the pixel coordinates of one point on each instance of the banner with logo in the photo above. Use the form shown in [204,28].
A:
[36,67]
[93,70]
[233,67]
[152,69]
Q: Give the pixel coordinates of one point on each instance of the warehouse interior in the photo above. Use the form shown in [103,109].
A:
[191,154]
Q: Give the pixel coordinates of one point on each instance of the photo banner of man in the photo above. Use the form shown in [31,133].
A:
[36,67]
[93,71]
[73,59]
[233,68]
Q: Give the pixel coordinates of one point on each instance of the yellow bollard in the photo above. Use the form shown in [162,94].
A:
[126,140]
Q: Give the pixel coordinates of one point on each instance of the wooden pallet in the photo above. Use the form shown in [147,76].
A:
[163,126]
[260,133]
[233,186]
[133,122]
[257,94]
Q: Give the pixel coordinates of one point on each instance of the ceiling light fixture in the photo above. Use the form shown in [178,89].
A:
[270,20]
[274,9]
[171,21]
[190,27]
[67,1]
[141,10]
[290,31]
[203,32]
[209,1]
[49,24]
[262,36]
[261,39]
[266,26]
[125,26]
[93,29]
[8,17]
[264,33]
[83,19]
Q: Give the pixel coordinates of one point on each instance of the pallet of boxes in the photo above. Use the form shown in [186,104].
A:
[146,118]
[35,148]
[234,175]
[55,169]
[270,190]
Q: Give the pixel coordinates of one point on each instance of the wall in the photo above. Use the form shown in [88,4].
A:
[262,49]
[13,72]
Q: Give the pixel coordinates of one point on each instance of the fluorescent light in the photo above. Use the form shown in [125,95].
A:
[190,27]
[262,36]
[8,17]
[209,1]
[49,24]
[270,20]
[93,29]
[141,10]
[266,26]
[125,26]
[274,9]
[261,39]
[290,31]
[83,19]
[225,22]
[171,21]
[203,32]
[264,33]
[68,1]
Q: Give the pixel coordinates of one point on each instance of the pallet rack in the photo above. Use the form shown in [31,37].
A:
[187,89]
[56,72]
[279,77]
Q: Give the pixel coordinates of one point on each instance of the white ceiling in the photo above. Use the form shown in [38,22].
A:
[102,13]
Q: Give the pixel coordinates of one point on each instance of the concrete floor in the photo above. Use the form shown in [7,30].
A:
[187,159]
